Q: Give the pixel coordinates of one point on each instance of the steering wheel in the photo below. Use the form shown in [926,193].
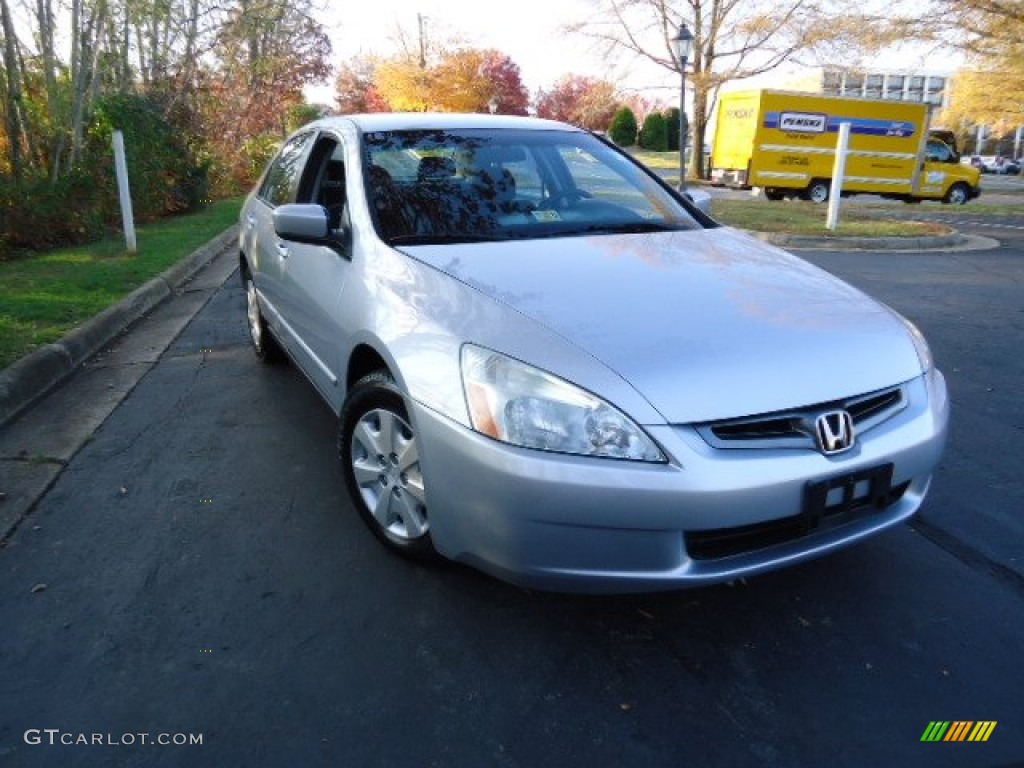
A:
[566,197]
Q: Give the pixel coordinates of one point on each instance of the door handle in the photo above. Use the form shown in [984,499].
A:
[282,251]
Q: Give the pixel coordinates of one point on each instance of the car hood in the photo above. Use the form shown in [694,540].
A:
[705,325]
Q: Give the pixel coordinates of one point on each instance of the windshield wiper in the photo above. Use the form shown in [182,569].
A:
[444,239]
[629,228]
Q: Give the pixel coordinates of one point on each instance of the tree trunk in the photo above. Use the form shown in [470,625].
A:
[45,22]
[83,81]
[12,96]
[191,36]
[700,124]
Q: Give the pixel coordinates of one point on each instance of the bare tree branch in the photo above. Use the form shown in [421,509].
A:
[733,39]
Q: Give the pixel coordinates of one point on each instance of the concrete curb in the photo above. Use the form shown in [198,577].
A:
[33,376]
[814,242]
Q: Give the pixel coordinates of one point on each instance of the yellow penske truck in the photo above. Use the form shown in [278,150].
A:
[785,143]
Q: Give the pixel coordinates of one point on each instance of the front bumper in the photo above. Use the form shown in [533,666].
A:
[578,524]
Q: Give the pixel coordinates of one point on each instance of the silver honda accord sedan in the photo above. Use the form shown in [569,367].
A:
[549,365]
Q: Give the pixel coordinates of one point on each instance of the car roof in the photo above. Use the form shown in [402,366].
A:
[413,121]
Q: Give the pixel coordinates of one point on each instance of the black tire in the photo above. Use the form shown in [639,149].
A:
[818,191]
[380,462]
[264,344]
[958,194]
[773,194]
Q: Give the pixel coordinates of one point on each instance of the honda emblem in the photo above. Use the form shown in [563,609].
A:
[834,431]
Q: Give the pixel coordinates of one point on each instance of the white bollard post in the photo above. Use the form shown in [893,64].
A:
[838,172]
[124,193]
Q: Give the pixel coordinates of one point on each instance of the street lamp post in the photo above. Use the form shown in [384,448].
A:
[683,45]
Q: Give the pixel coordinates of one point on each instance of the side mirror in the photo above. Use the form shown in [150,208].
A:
[302,223]
[699,198]
[310,223]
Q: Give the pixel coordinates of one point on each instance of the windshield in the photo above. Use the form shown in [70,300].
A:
[479,185]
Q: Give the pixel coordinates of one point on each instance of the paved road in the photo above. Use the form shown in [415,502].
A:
[970,306]
[204,576]
[999,190]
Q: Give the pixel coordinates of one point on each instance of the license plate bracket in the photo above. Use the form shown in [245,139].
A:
[838,499]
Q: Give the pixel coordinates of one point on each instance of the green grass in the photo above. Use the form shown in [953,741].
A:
[973,208]
[665,160]
[45,295]
[803,218]
[670,161]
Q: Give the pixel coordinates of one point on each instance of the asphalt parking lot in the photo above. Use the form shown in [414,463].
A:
[194,569]
[968,306]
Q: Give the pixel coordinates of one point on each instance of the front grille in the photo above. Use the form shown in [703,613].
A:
[795,429]
[872,407]
[729,542]
[769,429]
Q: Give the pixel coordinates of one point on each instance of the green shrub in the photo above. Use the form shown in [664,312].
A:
[235,173]
[301,114]
[256,153]
[162,175]
[623,127]
[654,135]
[39,213]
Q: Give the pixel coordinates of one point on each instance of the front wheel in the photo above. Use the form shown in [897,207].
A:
[381,463]
[818,191]
[263,342]
[958,194]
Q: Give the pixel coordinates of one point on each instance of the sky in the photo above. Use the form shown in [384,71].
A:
[531,32]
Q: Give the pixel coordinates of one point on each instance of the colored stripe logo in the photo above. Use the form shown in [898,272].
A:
[958,730]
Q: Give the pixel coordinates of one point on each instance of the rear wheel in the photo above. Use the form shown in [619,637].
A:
[958,194]
[818,191]
[381,464]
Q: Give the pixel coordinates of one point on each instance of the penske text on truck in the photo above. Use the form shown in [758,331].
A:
[785,143]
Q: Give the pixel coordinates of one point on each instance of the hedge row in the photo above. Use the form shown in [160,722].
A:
[660,130]
[37,212]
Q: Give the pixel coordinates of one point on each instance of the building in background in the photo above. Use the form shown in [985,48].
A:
[931,87]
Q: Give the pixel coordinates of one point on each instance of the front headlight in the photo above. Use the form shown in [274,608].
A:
[924,352]
[522,405]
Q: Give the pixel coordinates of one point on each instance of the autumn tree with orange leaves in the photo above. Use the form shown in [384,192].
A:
[354,88]
[584,101]
[464,80]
